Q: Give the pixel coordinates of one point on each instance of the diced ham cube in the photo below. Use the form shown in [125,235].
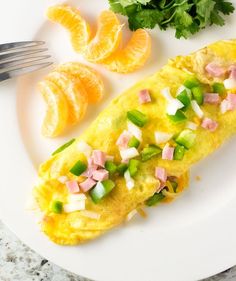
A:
[168,152]
[144,96]
[161,174]
[215,70]
[212,98]
[99,158]
[72,186]
[209,124]
[100,175]
[123,140]
[87,184]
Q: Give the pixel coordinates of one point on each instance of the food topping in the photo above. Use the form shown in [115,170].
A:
[144,96]
[99,158]
[161,174]
[162,137]
[129,180]
[72,186]
[100,175]
[215,70]
[168,152]
[137,117]
[209,124]
[129,153]
[212,98]
[196,108]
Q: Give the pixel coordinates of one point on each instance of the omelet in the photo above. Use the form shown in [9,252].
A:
[195,129]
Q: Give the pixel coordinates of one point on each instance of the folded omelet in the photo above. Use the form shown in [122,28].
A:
[213,120]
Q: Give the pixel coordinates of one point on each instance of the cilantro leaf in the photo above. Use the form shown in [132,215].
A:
[224,7]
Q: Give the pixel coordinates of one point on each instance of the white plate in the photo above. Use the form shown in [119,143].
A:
[189,239]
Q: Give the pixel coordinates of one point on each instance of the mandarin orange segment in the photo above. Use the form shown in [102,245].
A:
[56,116]
[107,38]
[90,79]
[71,19]
[76,96]
[133,56]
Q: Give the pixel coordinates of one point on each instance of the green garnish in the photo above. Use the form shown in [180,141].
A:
[191,83]
[186,138]
[178,117]
[187,17]
[101,190]
[122,168]
[149,152]
[133,167]
[156,198]
[184,97]
[134,142]
[78,168]
[219,88]
[137,117]
[64,146]
[174,185]
[57,207]
[198,94]
[110,167]
[179,152]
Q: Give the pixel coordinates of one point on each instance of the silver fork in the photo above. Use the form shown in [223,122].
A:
[19,58]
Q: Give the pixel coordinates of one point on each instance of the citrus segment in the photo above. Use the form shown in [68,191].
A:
[107,38]
[133,56]
[76,96]
[71,19]
[57,111]
[90,79]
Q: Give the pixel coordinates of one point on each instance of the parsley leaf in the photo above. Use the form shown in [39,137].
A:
[187,17]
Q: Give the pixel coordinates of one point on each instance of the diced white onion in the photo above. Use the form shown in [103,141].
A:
[196,108]
[166,94]
[90,214]
[63,179]
[129,153]
[230,83]
[74,206]
[191,125]
[135,131]
[162,137]
[129,181]
[183,88]
[76,197]
[131,215]
[173,106]
[83,147]
[110,158]
[224,106]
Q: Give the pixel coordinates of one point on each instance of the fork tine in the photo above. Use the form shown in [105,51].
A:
[21,53]
[22,61]
[20,71]
[16,45]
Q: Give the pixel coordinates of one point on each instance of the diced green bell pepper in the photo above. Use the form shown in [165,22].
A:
[156,198]
[134,142]
[137,117]
[150,151]
[78,168]
[179,152]
[101,190]
[110,167]
[198,94]
[178,117]
[186,138]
